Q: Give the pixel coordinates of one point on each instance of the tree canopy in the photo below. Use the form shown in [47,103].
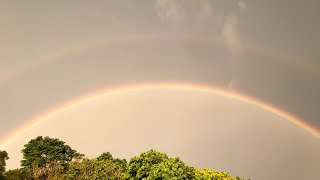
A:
[43,151]
[46,158]
[88,169]
[208,174]
[157,165]
[43,155]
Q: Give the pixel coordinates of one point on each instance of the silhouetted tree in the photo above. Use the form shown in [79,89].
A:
[3,158]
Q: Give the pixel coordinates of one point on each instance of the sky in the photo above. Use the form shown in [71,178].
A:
[204,129]
[53,52]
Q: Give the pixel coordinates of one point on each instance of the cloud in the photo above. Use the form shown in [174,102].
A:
[242,6]
[170,10]
[178,11]
[205,9]
[231,36]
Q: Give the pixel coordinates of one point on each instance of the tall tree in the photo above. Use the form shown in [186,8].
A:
[3,158]
[43,155]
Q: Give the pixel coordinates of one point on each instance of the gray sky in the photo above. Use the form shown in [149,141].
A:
[54,51]
[204,129]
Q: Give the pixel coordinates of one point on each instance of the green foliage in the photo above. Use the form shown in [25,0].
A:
[207,174]
[157,165]
[140,166]
[87,169]
[239,178]
[51,159]
[43,157]
[107,156]
[43,151]
[15,174]
[172,168]
[3,158]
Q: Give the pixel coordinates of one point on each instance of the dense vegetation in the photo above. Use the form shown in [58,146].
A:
[48,158]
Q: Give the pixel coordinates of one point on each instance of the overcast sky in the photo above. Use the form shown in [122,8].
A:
[204,129]
[54,51]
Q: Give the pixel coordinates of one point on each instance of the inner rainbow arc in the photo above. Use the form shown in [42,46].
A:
[137,87]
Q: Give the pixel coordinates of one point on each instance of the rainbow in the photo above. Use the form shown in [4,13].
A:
[149,86]
[112,41]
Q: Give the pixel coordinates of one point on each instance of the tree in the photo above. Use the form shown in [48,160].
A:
[173,169]
[42,156]
[46,158]
[15,174]
[3,158]
[88,169]
[107,156]
[157,165]
[208,174]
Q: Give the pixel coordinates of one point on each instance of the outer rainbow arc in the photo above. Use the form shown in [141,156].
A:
[111,41]
[131,88]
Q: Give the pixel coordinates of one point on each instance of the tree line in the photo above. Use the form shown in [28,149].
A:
[46,158]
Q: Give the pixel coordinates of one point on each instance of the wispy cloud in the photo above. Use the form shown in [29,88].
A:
[205,9]
[177,11]
[170,10]
[231,35]
[242,6]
